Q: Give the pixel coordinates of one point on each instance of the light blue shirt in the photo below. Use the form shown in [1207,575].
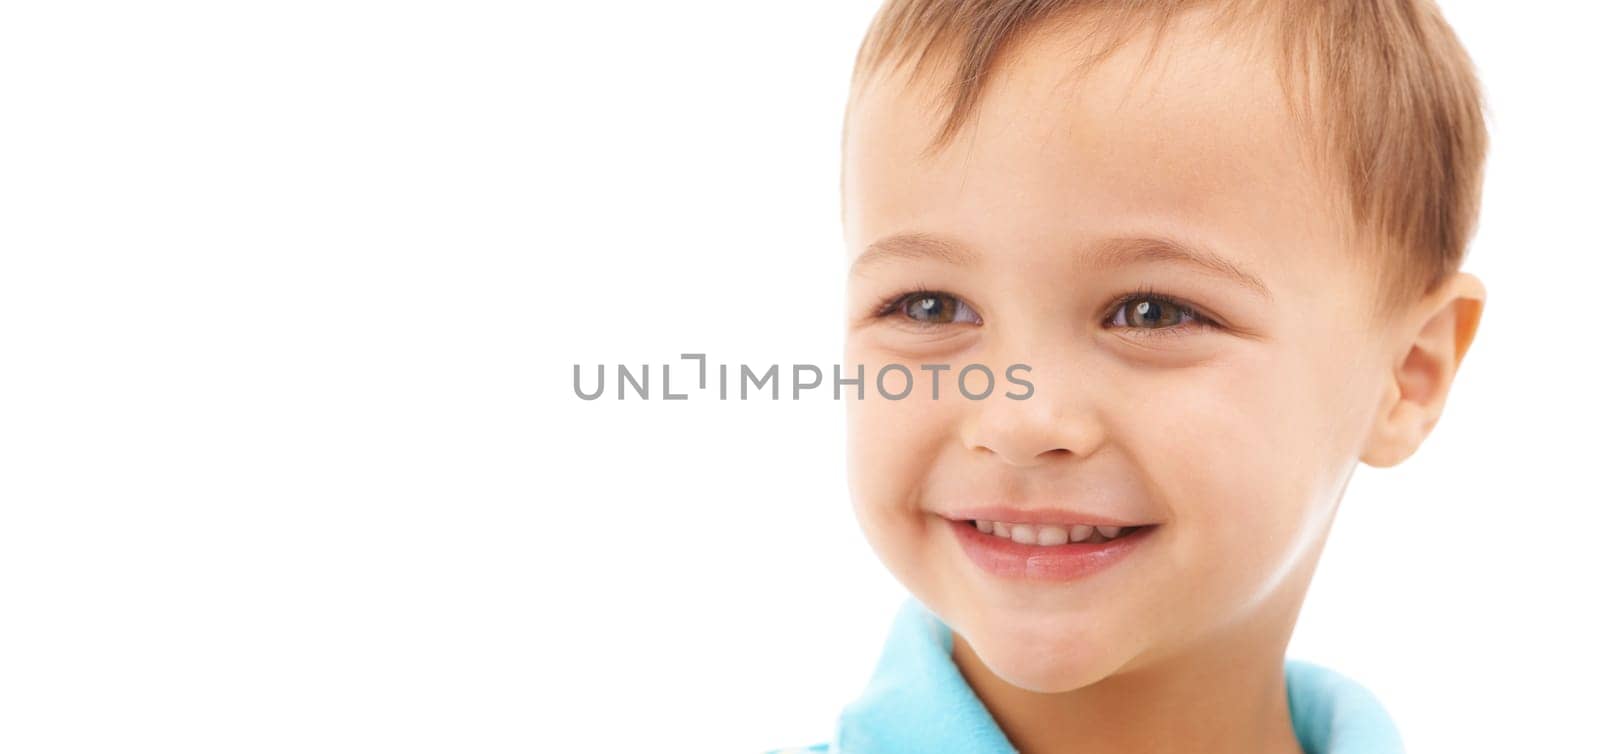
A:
[918,703]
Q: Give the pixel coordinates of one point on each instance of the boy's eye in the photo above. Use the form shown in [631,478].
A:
[934,308]
[1152,312]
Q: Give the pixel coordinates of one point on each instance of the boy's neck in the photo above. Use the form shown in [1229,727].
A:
[1223,695]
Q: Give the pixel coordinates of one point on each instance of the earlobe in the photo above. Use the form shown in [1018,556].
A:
[1415,391]
[1397,434]
[1389,440]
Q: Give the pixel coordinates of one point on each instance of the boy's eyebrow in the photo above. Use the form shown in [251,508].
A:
[912,246]
[1107,254]
[1122,251]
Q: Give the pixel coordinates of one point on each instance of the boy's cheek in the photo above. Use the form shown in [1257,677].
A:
[895,447]
[894,444]
[1249,491]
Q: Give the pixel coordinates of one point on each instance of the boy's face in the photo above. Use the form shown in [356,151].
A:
[1233,433]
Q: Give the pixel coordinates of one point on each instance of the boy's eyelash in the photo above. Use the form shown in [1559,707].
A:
[1147,293]
[893,303]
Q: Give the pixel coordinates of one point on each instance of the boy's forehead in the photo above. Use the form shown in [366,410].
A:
[1199,137]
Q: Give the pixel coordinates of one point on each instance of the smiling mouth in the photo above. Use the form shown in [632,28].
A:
[1049,535]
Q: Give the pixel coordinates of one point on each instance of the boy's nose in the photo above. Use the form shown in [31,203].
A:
[1036,430]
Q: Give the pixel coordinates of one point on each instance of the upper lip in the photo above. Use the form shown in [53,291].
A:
[1055,516]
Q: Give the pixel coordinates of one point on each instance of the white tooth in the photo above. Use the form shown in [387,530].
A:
[1002,529]
[987,527]
[1109,532]
[1052,535]
[1081,532]
[1023,534]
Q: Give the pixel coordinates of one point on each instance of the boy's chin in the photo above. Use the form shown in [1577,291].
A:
[1046,661]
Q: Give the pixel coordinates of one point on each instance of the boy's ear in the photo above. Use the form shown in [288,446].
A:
[1444,325]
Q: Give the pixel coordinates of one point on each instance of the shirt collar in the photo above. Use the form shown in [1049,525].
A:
[917,701]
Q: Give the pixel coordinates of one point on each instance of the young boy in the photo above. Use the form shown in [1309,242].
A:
[1225,239]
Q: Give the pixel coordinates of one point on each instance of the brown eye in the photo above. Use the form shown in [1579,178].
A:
[1151,313]
[936,309]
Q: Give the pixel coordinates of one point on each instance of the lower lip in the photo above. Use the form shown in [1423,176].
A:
[1003,557]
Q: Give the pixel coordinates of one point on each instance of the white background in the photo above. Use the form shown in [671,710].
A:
[290,297]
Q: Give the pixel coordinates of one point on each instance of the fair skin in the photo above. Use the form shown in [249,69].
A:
[1236,438]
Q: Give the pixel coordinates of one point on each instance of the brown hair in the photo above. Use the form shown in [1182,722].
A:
[1396,97]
